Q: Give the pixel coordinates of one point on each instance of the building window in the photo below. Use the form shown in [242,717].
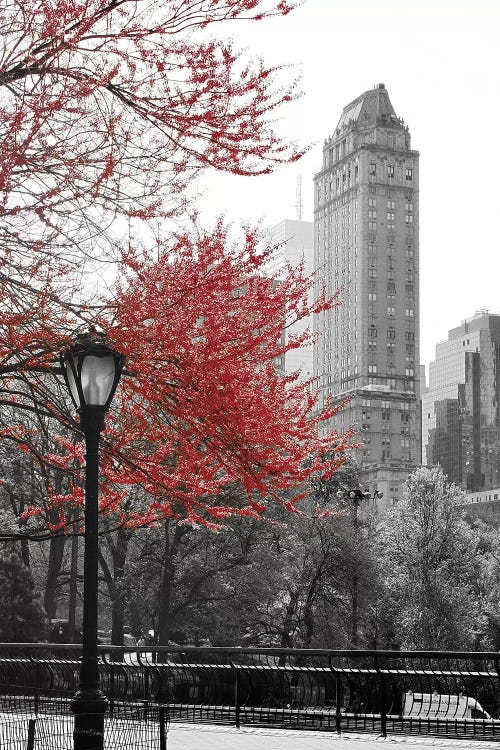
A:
[386,447]
[409,219]
[372,202]
[372,369]
[409,312]
[390,171]
[372,225]
[373,169]
[409,173]
[372,332]
[391,333]
[391,311]
[410,336]
[391,216]
[372,297]
[372,214]
[391,204]
[409,207]
[409,372]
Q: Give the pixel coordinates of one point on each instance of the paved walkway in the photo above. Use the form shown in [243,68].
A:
[201,737]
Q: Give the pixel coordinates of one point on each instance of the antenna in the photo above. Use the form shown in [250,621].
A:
[298,196]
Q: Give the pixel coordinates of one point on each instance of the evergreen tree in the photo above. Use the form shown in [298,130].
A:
[22,619]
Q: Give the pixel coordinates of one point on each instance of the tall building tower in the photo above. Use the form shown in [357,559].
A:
[293,240]
[366,245]
[461,408]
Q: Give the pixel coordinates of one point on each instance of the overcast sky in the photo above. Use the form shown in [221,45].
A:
[439,61]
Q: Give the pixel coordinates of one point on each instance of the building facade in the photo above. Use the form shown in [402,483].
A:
[293,240]
[461,407]
[484,505]
[366,245]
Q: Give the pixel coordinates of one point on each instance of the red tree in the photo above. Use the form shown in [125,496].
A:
[204,406]
[108,109]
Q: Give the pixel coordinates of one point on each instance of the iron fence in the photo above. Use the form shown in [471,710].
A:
[454,694]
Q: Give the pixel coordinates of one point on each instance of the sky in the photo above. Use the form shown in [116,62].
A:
[440,62]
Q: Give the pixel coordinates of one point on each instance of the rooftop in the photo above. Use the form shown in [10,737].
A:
[368,110]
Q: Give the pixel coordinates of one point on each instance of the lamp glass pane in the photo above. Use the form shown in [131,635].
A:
[71,380]
[98,376]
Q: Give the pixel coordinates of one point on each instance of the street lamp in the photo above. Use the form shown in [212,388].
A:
[356,497]
[91,370]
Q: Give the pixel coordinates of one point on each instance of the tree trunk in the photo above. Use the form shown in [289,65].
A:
[118,547]
[354,622]
[56,554]
[287,632]
[171,546]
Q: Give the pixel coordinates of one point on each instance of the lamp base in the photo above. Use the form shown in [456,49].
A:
[89,707]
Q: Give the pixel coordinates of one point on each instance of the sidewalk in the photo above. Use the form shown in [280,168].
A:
[203,737]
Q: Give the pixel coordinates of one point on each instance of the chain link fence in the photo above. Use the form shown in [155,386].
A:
[140,728]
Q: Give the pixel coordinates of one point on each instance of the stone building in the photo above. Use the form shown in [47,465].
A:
[366,245]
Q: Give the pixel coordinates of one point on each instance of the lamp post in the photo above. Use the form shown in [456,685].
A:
[355,497]
[91,370]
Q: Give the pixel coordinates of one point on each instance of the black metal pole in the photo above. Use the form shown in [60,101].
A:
[73,584]
[355,578]
[89,704]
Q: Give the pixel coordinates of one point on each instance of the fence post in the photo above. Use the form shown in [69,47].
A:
[383,701]
[31,734]
[37,686]
[338,696]
[111,688]
[338,700]
[236,694]
[146,682]
[497,667]
[163,734]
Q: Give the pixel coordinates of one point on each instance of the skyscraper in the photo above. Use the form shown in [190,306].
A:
[461,408]
[366,245]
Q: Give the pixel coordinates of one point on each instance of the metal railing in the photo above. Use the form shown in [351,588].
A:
[455,694]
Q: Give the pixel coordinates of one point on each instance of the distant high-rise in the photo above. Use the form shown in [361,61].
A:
[294,245]
[366,244]
[461,408]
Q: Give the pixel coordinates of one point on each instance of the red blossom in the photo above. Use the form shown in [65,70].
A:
[108,110]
